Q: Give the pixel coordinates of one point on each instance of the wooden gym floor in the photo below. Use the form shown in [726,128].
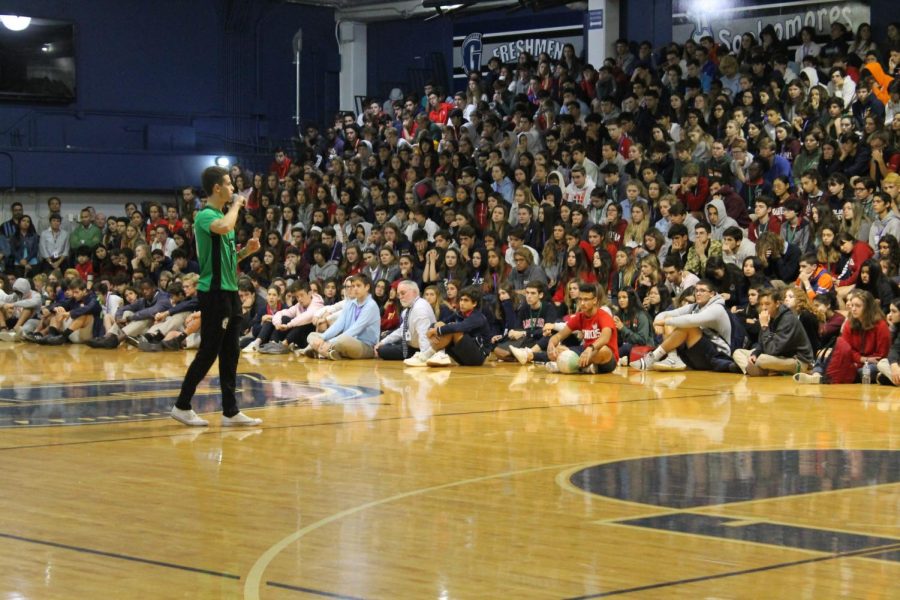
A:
[369,480]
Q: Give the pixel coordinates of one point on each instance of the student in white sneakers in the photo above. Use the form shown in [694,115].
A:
[356,330]
[291,325]
[467,341]
[696,335]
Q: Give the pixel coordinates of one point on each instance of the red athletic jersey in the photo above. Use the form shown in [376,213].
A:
[592,326]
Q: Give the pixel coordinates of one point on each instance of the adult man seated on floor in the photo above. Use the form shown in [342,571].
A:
[466,341]
[783,347]
[72,321]
[599,349]
[356,330]
[136,318]
[183,297]
[696,335]
[415,321]
[527,327]
[291,325]
[20,306]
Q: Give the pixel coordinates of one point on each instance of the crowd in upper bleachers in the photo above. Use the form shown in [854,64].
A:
[680,207]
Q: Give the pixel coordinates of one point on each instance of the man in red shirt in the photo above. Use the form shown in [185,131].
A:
[599,349]
[281,165]
[438,110]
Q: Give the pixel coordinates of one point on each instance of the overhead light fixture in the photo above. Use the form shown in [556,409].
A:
[442,7]
[223,161]
[15,22]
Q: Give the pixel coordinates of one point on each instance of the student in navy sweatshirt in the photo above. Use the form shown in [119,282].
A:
[466,341]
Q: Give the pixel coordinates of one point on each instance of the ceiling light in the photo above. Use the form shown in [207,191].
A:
[14,22]
[223,161]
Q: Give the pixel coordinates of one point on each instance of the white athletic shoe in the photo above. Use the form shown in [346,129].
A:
[415,360]
[523,355]
[251,347]
[808,378]
[672,362]
[645,363]
[440,359]
[7,336]
[187,417]
[240,420]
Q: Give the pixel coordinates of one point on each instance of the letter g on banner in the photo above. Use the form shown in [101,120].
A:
[471,53]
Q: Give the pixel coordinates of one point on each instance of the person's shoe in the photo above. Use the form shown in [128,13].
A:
[808,378]
[415,360]
[332,355]
[439,359]
[623,361]
[882,379]
[734,368]
[172,345]
[308,352]
[645,363]
[523,355]
[132,340]
[591,369]
[551,367]
[240,420]
[7,336]
[53,340]
[147,346]
[251,347]
[672,362]
[110,342]
[274,348]
[187,417]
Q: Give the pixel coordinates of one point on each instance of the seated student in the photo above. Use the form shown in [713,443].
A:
[599,349]
[783,346]
[23,304]
[184,301]
[356,330]
[830,321]
[72,321]
[696,335]
[466,341]
[526,325]
[325,317]
[814,279]
[136,318]
[291,325]
[416,319]
[865,339]
[735,247]
[677,279]
[889,368]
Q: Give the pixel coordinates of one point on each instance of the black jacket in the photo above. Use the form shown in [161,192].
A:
[785,337]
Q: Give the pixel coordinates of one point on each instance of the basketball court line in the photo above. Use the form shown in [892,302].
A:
[206,431]
[782,565]
[306,590]
[116,555]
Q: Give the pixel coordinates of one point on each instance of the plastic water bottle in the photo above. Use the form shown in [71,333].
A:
[866,374]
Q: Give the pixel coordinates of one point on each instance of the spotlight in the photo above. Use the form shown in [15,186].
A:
[223,161]
[15,22]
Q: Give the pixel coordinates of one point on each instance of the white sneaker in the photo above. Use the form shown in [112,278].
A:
[523,355]
[672,362]
[187,417]
[7,336]
[551,367]
[808,378]
[415,360]
[251,347]
[440,359]
[645,363]
[240,420]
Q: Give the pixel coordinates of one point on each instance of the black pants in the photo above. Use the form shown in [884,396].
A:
[294,335]
[220,328]
[395,351]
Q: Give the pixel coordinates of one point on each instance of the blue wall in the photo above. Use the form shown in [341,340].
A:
[165,83]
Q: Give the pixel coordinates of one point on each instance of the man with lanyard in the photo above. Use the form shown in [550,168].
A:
[412,336]
[220,308]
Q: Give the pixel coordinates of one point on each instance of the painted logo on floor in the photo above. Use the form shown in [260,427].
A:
[96,402]
[689,483]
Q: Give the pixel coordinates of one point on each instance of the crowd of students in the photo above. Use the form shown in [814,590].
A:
[689,207]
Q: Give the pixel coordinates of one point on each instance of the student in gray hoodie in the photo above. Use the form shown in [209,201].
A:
[696,336]
[24,302]
[718,218]
[783,346]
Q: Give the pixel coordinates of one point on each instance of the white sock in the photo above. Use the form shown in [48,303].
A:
[426,354]
[659,353]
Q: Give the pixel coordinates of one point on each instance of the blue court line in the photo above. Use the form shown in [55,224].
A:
[136,559]
[297,588]
[794,563]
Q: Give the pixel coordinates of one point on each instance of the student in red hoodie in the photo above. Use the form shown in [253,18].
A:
[853,254]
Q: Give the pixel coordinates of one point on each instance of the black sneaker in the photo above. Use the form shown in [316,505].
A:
[53,340]
[134,340]
[882,379]
[172,345]
[109,342]
[145,346]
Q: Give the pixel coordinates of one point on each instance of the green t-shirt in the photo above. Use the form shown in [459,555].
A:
[217,254]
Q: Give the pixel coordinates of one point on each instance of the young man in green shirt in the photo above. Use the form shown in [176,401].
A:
[220,308]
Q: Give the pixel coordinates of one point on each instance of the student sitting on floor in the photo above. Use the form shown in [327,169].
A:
[696,335]
[467,341]
[599,349]
[136,318]
[783,346]
[356,330]
[416,319]
[889,368]
[72,321]
[291,325]
[526,325]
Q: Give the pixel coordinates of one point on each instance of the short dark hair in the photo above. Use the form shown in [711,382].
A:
[212,176]
[733,232]
[472,293]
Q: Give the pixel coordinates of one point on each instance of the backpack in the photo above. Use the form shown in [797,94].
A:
[738,333]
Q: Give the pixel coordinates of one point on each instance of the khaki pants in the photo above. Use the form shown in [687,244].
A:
[346,346]
[173,323]
[766,364]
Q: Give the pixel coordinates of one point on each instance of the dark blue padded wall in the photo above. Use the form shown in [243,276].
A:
[165,86]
